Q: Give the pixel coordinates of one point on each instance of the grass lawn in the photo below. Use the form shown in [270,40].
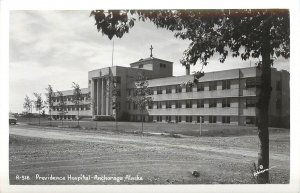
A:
[189,129]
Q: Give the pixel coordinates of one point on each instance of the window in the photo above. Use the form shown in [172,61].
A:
[178,88]
[225,102]
[151,91]
[178,119]
[178,104]
[135,106]
[252,82]
[168,104]
[87,107]
[150,106]
[188,104]
[200,104]
[212,119]
[141,66]
[188,119]
[159,118]
[150,118]
[159,105]
[213,85]
[226,84]
[169,89]
[159,90]
[225,119]
[200,87]
[162,65]
[250,120]
[212,103]
[168,118]
[250,102]
[198,119]
[188,88]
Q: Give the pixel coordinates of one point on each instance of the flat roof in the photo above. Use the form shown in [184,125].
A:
[149,59]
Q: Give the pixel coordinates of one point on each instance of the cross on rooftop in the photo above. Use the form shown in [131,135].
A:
[151,48]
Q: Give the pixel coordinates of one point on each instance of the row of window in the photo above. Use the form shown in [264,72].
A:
[189,119]
[70,98]
[72,108]
[161,65]
[212,103]
[226,85]
[66,117]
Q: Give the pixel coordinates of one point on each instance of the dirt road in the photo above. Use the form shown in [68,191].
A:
[147,159]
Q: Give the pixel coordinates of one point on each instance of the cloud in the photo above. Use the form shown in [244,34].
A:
[58,47]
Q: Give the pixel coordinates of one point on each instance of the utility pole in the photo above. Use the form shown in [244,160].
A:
[200,128]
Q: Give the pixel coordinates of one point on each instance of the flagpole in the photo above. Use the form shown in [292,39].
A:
[112,56]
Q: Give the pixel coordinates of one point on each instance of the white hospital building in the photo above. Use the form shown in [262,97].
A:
[221,97]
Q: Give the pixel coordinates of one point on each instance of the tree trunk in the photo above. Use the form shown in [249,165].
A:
[78,117]
[39,117]
[50,118]
[116,121]
[263,109]
[142,123]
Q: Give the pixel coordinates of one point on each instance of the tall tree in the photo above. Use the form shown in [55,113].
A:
[261,34]
[50,100]
[38,104]
[28,106]
[62,106]
[77,98]
[141,96]
[113,91]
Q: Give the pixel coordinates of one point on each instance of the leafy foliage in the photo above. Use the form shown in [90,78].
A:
[141,96]
[263,34]
[38,102]
[62,105]
[50,97]
[113,22]
[77,95]
[239,32]
[27,104]
[77,98]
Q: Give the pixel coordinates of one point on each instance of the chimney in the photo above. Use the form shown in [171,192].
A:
[187,70]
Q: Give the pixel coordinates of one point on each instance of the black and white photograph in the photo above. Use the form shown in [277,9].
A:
[116,97]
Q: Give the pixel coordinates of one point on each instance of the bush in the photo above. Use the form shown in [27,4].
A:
[104,118]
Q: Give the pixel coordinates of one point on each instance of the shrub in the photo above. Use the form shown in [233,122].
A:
[104,118]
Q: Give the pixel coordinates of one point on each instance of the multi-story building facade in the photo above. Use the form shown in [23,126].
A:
[223,97]
[70,110]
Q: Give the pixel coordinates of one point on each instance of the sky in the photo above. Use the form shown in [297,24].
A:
[60,47]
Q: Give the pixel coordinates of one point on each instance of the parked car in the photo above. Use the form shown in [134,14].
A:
[12,120]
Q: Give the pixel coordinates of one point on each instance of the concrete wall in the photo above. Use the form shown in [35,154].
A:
[154,64]
[86,112]
[238,94]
